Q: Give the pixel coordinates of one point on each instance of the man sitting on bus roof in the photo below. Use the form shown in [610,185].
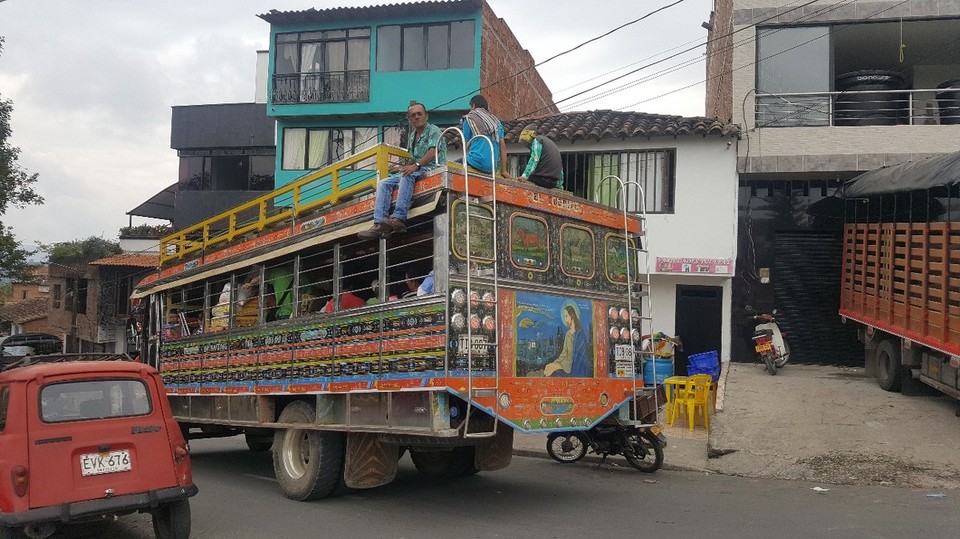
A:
[425,146]
[481,122]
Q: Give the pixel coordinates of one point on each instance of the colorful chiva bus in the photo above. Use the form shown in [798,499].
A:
[503,307]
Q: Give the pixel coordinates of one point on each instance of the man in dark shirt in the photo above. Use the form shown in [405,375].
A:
[544,167]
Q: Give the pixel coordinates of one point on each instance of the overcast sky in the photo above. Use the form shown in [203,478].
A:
[92,83]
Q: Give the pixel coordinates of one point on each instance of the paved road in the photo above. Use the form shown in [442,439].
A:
[538,498]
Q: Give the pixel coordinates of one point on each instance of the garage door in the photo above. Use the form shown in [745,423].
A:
[806,282]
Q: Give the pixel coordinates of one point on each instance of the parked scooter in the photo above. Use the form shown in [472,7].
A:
[769,342]
[641,446]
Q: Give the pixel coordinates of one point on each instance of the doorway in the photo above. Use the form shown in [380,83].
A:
[699,321]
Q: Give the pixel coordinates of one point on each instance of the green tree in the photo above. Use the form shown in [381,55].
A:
[81,251]
[16,190]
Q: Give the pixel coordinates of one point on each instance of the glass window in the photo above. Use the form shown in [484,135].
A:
[528,243]
[317,148]
[413,48]
[261,172]
[438,46]
[434,46]
[793,60]
[576,251]
[462,42]
[322,67]
[57,295]
[388,48]
[654,170]
[294,142]
[94,399]
[195,174]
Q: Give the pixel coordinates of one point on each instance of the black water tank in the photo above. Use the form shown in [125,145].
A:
[852,108]
[948,103]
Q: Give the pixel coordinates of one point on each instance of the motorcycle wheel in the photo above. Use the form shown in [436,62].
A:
[781,361]
[643,451]
[566,447]
[771,366]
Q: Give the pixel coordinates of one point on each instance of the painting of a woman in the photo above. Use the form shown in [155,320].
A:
[574,358]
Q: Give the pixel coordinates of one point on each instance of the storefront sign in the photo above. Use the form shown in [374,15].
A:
[712,266]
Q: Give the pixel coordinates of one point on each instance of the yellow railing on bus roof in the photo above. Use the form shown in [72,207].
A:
[322,187]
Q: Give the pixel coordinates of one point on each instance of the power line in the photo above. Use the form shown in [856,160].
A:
[651,64]
[837,29]
[536,65]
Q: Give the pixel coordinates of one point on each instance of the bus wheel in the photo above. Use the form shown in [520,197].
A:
[436,464]
[889,369]
[308,463]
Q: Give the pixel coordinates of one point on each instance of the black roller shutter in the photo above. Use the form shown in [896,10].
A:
[806,282]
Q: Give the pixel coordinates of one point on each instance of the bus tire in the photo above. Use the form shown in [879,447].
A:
[308,464]
[889,367]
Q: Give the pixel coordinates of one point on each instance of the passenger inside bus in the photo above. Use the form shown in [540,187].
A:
[348,300]
[280,280]
[248,298]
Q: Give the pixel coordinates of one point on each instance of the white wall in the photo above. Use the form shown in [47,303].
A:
[704,222]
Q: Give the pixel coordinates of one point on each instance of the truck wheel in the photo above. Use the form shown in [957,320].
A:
[889,368]
[172,520]
[308,463]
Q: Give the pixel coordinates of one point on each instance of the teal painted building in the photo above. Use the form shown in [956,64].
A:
[340,80]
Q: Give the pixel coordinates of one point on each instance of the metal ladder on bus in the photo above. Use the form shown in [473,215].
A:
[492,348]
[639,298]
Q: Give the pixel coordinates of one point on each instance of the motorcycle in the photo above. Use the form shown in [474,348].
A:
[641,446]
[769,342]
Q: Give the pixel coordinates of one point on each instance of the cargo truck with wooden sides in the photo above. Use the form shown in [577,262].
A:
[901,272]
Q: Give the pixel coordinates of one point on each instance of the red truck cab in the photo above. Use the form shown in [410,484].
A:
[86,439]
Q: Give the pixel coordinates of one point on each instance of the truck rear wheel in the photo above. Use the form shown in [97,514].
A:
[889,367]
[308,463]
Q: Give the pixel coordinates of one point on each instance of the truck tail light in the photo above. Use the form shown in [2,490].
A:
[21,480]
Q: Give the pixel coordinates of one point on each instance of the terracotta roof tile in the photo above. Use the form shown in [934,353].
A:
[139,261]
[606,124]
[24,311]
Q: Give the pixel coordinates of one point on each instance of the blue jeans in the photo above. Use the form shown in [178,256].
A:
[404,196]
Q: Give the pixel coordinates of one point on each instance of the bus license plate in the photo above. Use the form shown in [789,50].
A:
[102,463]
[764,347]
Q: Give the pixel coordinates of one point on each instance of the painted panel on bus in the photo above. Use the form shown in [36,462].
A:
[406,349]
[554,336]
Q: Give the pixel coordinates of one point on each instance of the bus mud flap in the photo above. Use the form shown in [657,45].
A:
[370,463]
[494,453]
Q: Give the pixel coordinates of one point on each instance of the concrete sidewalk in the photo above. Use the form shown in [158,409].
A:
[815,423]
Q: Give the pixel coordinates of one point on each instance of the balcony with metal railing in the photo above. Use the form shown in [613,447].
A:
[325,87]
[859,108]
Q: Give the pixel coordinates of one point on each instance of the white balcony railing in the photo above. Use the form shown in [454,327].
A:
[859,108]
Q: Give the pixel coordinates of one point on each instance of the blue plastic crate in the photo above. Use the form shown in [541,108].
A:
[704,360]
[714,371]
